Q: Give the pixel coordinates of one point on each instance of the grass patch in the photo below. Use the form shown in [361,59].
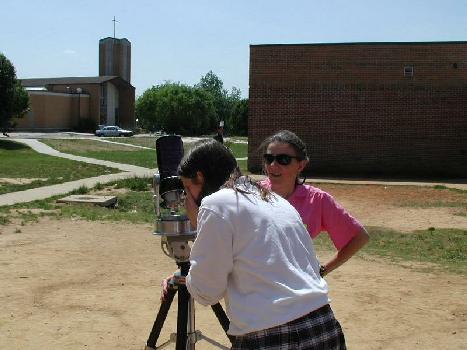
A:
[443,247]
[143,157]
[436,203]
[106,151]
[20,162]
[238,138]
[135,184]
[85,145]
[144,141]
[4,220]
[135,206]
[240,150]
[129,155]
[80,190]
[243,166]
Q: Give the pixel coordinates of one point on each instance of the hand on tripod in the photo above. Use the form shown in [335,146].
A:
[171,282]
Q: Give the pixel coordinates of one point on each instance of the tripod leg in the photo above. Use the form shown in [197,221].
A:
[222,318]
[182,316]
[160,319]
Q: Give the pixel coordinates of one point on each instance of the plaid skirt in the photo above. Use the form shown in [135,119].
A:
[317,330]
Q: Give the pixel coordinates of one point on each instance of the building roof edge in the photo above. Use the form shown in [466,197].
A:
[368,43]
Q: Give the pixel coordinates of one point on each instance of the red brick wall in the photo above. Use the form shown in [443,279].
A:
[357,112]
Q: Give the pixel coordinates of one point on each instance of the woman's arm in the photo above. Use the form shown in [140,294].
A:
[346,252]
[211,258]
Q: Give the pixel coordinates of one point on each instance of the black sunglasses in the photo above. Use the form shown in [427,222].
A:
[282,159]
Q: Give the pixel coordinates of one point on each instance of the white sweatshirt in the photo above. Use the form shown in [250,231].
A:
[259,257]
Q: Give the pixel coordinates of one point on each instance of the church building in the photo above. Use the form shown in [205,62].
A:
[74,103]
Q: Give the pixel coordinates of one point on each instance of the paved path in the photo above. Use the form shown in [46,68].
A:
[128,171]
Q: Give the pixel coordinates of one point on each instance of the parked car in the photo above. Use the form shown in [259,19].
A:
[113,131]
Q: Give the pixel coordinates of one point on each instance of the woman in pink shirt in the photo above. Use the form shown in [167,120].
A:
[285,157]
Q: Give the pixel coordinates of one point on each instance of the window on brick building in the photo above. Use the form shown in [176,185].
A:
[408,71]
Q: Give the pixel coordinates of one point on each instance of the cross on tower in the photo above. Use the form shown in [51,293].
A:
[114,20]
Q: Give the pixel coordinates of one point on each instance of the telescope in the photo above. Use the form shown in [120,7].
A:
[172,225]
[174,229]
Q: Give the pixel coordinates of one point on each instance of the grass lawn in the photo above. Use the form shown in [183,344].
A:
[129,155]
[451,198]
[145,141]
[444,248]
[30,169]
[150,141]
[106,151]
[240,150]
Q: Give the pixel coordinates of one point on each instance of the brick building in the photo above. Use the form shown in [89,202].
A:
[364,109]
[65,103]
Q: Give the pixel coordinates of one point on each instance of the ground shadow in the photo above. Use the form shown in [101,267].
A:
[11,145]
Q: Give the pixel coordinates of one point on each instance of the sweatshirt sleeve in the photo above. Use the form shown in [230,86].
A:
[211,258]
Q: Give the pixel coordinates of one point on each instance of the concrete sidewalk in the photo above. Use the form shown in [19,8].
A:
[129,171]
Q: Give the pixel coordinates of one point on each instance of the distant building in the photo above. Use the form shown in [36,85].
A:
[387,109]
[70,102]
[115,58]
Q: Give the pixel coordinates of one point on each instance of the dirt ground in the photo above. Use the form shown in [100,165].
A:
[74,284]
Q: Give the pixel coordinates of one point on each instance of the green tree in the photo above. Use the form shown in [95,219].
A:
[238,122]
[14,101]
[230,107]
[215,87]
[176,108]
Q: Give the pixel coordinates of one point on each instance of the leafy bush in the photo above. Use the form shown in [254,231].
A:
[176,108]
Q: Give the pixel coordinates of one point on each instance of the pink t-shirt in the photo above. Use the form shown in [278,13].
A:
[320,212]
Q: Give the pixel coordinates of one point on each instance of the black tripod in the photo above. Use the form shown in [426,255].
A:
[186,332]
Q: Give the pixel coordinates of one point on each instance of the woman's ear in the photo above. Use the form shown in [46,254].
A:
[199,177]
[302,164]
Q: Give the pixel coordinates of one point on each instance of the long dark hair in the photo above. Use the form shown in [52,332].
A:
[288,137]
[218,166]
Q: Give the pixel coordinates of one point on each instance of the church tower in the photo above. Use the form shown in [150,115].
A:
[115,58]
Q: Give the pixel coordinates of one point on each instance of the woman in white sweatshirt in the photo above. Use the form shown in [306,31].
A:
[253,251]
